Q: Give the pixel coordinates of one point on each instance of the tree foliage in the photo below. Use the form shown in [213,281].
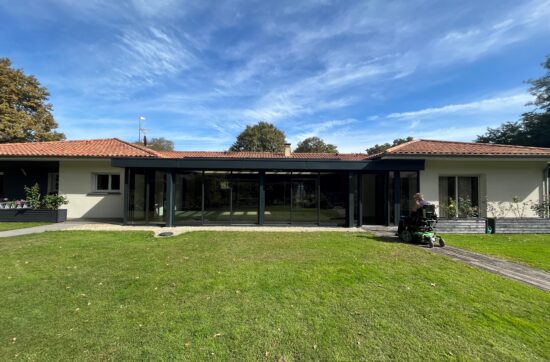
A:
[533,128]
[159,144]
[383,147]
[25,114]
[315,145]
[261,137]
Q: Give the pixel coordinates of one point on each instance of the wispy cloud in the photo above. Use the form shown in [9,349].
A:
[498,104]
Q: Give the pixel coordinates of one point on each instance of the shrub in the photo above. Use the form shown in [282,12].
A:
[542,208]
[36,201]
[33,196]
[53,202]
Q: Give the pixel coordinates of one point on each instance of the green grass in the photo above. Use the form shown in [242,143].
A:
[257,296]
[5,226]
[529,249]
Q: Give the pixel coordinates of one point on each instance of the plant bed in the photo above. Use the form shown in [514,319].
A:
[461,226]
[31,215]
[522,226]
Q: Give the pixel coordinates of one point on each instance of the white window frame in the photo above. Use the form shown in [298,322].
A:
[109,188]
[478,177]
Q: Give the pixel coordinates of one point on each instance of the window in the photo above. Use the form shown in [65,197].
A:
[53,183]
[106,182]
[459,196]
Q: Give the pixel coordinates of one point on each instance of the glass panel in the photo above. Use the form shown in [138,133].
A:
[277,198]
[391,197]
[102,182]
[245,191]
[468,197]
[304,198]
[333,199]
[136,210]
[115,182]
[157,196]
[447,197]
[217,197]
[374,189]
[355,207]
[409,186]
[188,195]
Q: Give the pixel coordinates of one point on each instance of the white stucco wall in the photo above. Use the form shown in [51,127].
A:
[499,181]
[76,183]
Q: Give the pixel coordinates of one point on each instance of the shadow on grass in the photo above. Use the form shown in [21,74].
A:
[389,239]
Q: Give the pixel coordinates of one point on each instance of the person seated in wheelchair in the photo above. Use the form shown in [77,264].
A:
[417,213]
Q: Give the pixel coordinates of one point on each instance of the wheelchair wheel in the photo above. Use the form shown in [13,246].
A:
[441,241]
[406,236]
[431,242]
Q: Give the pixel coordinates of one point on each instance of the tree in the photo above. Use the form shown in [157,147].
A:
[533,128]
[25,115]
[261,137]
[315,145]
[383,147]
[159,144]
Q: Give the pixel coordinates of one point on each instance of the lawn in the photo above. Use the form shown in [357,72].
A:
[529,249]
[4,226]
[257,296]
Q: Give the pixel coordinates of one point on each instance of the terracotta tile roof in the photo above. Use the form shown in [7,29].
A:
[114,147]
[99,148]
[262,155]
[450,148]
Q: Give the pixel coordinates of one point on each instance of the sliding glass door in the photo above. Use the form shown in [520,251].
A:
[188,198]
[245,192]
[304,198]
[147,197]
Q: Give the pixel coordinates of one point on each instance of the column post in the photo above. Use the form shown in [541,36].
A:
[397,197]
[261,199]
[126,196]
[169,208]
[350,201]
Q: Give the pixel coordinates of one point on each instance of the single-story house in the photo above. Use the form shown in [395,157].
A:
[111,178]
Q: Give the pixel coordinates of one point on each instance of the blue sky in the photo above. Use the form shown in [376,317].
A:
[353,73]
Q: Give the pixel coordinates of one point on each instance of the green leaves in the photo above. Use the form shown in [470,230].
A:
[261,137]
[315,145]
[383,147]
[533,129]
[25,114]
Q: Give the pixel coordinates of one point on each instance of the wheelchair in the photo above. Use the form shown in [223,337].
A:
[420,228]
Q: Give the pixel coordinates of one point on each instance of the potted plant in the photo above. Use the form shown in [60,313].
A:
[35,207]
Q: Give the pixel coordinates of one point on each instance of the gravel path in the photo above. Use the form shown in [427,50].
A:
[185,229]
[518,272]
[522,273]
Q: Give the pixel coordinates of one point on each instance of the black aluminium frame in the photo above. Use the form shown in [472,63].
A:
[352,168]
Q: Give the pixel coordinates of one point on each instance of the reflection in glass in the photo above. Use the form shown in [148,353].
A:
[188,198]
[136,210]
[304,198]
[333,198]
[409,186]
[277,198]
[245,197]
[217,197]
[157,197]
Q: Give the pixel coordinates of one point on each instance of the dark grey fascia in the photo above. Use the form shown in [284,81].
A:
[270,164]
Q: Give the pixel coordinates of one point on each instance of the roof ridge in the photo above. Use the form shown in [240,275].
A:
[139,147]
[393,148]
[488,144]
[59,141]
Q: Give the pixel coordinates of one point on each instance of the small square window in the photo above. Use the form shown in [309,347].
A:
[106,182]
[115,182]
[102,182]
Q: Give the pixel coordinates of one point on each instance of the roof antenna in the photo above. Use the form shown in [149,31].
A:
[141,130]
